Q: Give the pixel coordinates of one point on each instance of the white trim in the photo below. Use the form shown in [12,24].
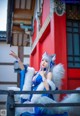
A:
[47,21]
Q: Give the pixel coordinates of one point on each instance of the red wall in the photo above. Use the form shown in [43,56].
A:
[38,51]
[45,10]
[45,13]
[45,43]
[73,78]
[35,58]
[52,41]
[60,43]
[73,83]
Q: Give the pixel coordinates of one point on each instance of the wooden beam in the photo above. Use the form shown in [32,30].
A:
[33,5]
[23,11]
[23,19]
[17,28]
[25,16]
[20,54]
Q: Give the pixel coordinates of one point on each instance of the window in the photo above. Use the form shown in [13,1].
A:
[73,36]
[73,43]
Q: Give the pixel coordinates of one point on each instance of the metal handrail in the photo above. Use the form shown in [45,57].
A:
[40,92]
[11,102]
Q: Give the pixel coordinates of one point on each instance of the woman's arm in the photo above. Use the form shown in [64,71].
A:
[49,76]
[18,59]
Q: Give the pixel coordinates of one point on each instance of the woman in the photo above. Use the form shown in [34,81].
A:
[38,80]
[43,75]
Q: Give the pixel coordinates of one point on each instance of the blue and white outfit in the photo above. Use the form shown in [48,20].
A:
[38,85]
[35,85]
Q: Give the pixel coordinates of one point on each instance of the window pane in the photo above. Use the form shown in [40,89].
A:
[69,36]
[69,23]
[70,58]
[75,29]
[69,29]
[76,44]
[70,64]
[77,65]
[77,59]
[75,24]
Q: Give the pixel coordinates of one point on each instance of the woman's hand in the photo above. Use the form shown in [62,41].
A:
[43,74]
[13,54]
[44,78]
[18,59]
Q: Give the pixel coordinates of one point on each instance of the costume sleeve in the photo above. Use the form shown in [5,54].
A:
[22,76]
[51,84]
[27,80]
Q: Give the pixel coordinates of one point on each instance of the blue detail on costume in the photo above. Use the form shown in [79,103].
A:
[37,81]
[51,64]
[22,76]
[40,113]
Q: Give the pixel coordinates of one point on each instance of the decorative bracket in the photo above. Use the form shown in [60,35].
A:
[57,6]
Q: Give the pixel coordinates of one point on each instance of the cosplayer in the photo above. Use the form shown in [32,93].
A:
[47,78]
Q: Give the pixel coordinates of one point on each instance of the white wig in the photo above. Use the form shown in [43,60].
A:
[50,59]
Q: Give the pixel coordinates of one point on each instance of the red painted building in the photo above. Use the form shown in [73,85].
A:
[57,30]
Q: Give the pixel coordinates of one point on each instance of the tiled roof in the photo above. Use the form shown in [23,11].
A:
[2,35]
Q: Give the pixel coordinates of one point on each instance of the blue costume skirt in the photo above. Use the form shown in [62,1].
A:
[39,112]
[42,114]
